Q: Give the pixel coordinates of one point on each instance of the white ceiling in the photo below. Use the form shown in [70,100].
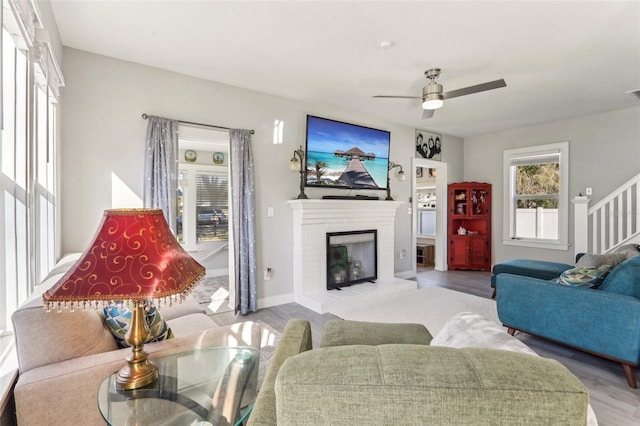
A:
[559,58]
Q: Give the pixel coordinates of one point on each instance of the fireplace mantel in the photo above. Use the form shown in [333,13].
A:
[312,219]
[317,209]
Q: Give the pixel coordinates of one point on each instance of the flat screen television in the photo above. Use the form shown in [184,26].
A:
[346,156]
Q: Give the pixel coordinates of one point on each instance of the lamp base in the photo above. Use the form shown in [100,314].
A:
[139,371]
[136,374]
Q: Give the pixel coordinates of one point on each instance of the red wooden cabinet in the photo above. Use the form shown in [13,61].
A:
[469,226]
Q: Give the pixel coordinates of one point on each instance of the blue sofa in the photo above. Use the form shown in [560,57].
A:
[529,268]
[604,321]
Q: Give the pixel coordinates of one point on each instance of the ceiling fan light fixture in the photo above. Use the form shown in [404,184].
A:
[432,101]
[432,97]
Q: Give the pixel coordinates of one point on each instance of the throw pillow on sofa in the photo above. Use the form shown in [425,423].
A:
[471,330]
[630,250]
[118,318]
[585,277]
[590,260]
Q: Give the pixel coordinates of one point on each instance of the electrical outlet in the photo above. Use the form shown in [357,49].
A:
[267,274]
[403,253]
[589,191]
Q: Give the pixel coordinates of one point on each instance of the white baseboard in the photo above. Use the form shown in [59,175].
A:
[281,299]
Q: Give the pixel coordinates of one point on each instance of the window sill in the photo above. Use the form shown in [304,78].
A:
[536,244]
[8,370]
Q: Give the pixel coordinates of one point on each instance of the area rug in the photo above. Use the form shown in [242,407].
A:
[431,306]
[213,292]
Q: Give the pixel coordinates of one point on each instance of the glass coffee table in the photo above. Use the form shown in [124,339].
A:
[205,386]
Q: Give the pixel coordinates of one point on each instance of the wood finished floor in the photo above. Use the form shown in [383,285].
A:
[614,403]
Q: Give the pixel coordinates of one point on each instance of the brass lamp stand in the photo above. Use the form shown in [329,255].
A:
[138,371]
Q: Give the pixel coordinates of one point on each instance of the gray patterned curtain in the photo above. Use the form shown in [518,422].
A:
[244,235]
[161,167]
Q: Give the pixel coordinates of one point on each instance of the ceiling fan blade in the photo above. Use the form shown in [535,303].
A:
[427,113]
[475,89]
[396,97]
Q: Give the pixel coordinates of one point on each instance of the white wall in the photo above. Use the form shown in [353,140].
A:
[103,136]
[604,152]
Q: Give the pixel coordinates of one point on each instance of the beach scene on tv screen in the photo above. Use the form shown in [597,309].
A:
[342,155]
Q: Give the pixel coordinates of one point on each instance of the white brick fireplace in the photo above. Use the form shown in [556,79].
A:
[312,219]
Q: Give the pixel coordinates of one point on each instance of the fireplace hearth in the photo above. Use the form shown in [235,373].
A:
[351,258]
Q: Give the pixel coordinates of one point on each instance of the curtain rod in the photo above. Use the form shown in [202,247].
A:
[145,116]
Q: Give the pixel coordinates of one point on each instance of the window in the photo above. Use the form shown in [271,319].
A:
[29,86]
[536,200]
[13,227]
[203,187]
[44,188]
[203,206]
[212,207]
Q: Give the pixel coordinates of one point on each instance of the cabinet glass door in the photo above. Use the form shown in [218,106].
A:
[479,204]
[459,202]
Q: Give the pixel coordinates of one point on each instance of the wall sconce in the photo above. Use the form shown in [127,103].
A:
[297,165]
[399,175]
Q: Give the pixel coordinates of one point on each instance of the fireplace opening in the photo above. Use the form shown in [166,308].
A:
[352,257]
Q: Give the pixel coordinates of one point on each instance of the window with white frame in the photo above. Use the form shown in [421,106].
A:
[44,179]
[13,224]
[203,204]
[536,196]
[29,81]
[212,206]
[203,211]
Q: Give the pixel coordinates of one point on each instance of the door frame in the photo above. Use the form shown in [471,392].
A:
[441,211]
[207,140]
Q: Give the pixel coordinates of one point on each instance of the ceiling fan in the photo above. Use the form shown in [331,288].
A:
[433,97]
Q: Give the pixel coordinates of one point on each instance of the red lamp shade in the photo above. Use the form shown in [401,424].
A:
[134,256]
